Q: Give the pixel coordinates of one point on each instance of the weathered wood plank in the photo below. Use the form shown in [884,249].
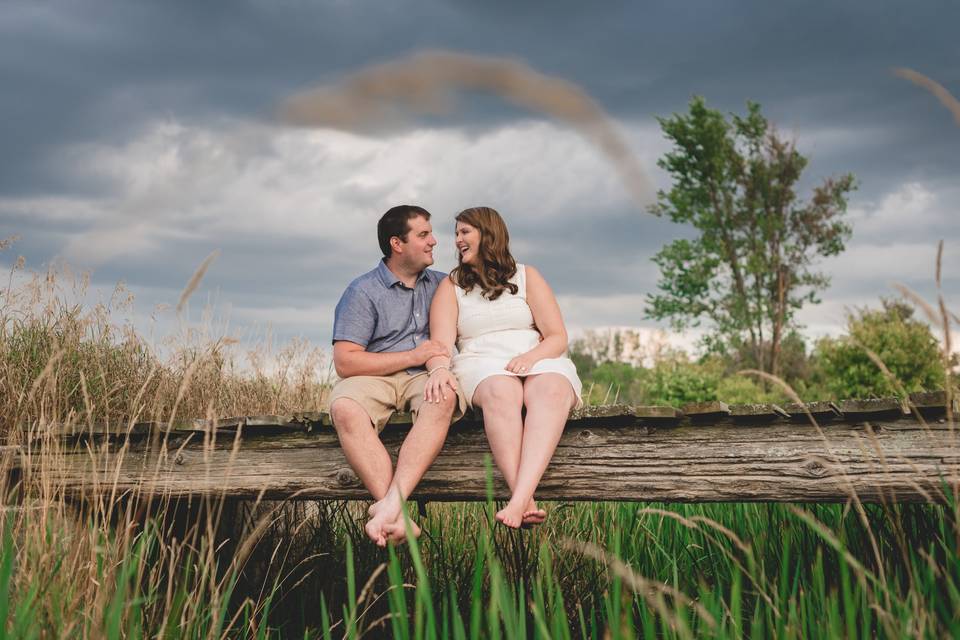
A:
[763,411]
[872,406]
[821,410]
[698,410]
[893,458]
[657,413]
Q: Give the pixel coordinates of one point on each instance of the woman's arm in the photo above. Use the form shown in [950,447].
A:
[444,313]
[547,317]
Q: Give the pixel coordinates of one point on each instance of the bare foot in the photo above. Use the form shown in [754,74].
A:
[396,531]
[511,515]
[533,515]
[382,513]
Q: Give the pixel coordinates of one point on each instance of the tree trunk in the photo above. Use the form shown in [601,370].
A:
[778,323]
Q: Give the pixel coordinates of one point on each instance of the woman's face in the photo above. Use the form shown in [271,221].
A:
[468,243]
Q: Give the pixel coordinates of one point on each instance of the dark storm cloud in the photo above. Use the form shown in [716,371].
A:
[95,70]
[77,73]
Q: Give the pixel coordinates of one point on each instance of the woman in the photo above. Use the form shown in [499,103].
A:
[498,311]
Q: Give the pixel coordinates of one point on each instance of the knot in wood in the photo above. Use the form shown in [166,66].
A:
[586,434]
[346,477]
[178,459]
[815,468]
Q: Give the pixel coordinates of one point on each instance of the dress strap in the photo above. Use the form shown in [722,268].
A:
[459,293]
[521,279]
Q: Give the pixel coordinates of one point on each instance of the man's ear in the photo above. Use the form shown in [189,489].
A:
[396,244]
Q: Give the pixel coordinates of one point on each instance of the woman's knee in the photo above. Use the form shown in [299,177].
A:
[500,393]
[548,389]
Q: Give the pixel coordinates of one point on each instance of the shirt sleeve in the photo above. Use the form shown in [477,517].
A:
[355,318]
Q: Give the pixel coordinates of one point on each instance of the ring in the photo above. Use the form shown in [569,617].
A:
[523,368]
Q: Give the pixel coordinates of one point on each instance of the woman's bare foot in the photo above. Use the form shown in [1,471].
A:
[511,515]
[396,532]
[382,513]
[533,515]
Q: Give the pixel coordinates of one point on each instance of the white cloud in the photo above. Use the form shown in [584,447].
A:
[913,211]
[263,185]
[179,181]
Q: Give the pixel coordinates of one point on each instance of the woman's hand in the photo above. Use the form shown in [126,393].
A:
[522,364]
[439,384]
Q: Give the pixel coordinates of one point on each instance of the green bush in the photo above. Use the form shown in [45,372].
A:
[677,382]
[614,382]
[738,389]
[905,345]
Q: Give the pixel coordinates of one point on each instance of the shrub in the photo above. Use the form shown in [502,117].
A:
[905,345]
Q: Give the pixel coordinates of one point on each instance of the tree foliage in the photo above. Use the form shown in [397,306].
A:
[905,345]
[750,266]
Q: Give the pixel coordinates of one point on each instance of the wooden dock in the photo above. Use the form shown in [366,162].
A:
[881,450]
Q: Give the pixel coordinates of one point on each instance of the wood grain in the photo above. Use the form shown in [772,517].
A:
[606,457]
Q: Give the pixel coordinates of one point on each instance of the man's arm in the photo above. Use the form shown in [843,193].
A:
[352,359]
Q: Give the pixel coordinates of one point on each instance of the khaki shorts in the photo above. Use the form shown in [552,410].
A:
[380,396]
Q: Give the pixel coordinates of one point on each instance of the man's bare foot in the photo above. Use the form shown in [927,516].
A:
[397,532]
[382,513]
[533,515]
[511,515]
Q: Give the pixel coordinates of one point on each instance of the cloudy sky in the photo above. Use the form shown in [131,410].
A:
[138,137]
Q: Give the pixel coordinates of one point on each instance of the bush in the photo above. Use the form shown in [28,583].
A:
[738,389]
[677,382]
[904,344]
[611,382]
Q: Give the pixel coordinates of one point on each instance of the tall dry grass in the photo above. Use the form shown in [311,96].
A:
[105,564]
[63,361]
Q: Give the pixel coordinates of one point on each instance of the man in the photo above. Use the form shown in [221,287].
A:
[381,343]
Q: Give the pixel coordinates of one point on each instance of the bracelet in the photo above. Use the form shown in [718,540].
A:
[438,367]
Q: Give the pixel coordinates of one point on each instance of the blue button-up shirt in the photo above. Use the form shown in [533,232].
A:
[381,314]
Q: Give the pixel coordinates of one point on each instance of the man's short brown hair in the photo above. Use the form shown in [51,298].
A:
[395,222]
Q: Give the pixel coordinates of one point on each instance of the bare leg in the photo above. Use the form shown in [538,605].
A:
[419,450]
[362,446]
[501,398]
[548,398]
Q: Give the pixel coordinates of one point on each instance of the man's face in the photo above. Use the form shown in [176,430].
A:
[417,251]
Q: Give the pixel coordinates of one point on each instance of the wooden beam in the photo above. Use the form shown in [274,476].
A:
[704,453]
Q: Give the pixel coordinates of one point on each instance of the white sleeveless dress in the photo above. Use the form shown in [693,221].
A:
[490,333]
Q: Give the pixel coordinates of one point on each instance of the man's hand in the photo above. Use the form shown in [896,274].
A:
[430,349]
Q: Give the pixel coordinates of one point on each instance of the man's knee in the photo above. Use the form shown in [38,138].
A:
[448,404]
[441,412]
[348,416]
[444,408]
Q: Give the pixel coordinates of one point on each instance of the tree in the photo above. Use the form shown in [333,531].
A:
[794,361]
[905,345]
[749,268]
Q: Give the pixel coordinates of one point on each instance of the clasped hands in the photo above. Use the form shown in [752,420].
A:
[440,378]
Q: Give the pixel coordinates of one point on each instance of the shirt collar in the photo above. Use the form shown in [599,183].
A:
[390,279]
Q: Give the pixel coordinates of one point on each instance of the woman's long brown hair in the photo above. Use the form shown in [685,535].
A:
[496,265]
